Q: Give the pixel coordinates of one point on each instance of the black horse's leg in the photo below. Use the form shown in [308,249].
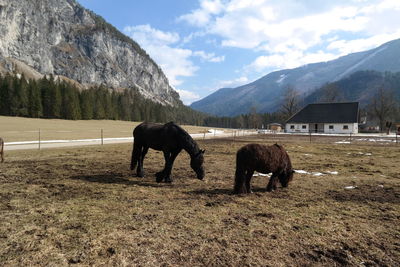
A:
[169,165]
[140,171]
[136,151]
[161,174]
[249,175]
[272,182]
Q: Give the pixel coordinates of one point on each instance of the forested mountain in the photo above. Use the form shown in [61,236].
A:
[63,39]
[51,98]
[360,86]
[267,93]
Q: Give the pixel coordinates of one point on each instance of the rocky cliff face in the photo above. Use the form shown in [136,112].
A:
[60,37]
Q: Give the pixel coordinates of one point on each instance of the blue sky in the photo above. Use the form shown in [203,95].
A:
[204,45]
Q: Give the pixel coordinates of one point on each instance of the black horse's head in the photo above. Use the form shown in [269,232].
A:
[285,177]
[196,162]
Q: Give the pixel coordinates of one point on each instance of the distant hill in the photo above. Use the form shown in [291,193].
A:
[266,93]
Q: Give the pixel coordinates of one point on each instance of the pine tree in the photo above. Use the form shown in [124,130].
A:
[35,109]
[86,103]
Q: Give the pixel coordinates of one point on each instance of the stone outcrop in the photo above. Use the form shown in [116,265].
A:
[62,38]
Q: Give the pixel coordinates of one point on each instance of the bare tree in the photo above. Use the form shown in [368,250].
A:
[383,105]
[254,118]
[291,102]
[331,93]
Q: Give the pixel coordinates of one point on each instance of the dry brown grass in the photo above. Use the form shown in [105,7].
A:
[83,206]
[27,129]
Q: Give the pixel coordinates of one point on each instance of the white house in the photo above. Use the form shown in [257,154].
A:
[325,118]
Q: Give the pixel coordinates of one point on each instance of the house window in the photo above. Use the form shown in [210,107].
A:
[292,127]
[304,127]
[345,127]
[330,127]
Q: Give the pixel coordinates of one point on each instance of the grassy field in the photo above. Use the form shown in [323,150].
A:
[83,206]
[14,129]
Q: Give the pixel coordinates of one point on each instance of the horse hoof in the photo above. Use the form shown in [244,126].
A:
[159,179]
[168,180]
[140,174]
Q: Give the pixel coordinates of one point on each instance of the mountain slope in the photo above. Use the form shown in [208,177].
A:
[360,86]
[266,93]
[62,38]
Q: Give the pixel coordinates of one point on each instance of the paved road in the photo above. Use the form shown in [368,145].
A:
[44,144]
[86,142]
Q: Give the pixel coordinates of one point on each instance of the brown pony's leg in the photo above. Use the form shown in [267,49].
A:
[239,187]
[272,182]
[249,175]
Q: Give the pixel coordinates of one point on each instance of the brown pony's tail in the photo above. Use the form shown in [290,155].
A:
[136,151]
[239,174]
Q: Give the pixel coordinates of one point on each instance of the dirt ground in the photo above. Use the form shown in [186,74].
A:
[84,206]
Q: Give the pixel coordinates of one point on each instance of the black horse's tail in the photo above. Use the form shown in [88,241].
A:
[136,151]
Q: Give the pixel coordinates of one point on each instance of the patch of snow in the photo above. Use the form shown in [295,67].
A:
[350,187]
[215,131]
[380,186]
[261,174]
[317,174]
[281,78]
[343,142]
[309,155]
[332,172]
[301,171]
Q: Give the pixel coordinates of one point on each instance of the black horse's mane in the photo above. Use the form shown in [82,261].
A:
[187,141]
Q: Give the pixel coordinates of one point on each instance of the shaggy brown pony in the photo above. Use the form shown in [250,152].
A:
[1,149]
[263,159]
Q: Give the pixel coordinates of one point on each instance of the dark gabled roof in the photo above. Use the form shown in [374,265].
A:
[327,113]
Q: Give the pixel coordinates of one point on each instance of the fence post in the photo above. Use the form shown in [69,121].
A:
[396,137]
[350,137]
[102,142]
[310,135]
[204,135]
[39,138]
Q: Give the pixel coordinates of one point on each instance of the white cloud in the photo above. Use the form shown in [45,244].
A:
[288,60]
[291,33]
[143,33]
[175,62]
[163,48]
[201,17]
[350,46]
[232,83]
[188,97]
[210,57]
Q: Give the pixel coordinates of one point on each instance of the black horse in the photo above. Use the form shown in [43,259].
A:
[170,139]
